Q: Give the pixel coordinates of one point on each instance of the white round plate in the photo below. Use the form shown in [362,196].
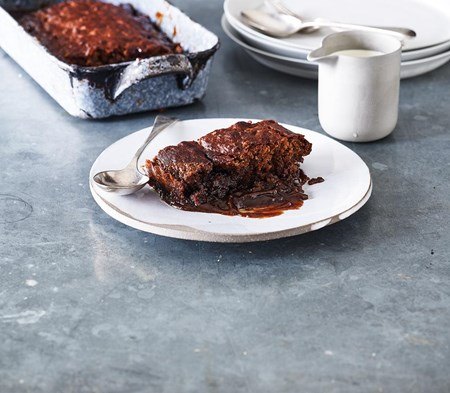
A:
[429,18]
[425,52]
[299,53]
[346,188]
[306,69]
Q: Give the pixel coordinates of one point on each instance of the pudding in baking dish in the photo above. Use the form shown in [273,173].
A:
[93,33]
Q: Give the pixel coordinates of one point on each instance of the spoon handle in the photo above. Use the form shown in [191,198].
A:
[349,26]
[160,124]
[401,30]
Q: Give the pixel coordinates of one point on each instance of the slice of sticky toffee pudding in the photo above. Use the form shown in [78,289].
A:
[248,169]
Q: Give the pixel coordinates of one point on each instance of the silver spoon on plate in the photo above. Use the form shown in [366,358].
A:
[129,180]
[284,25]
[282,8]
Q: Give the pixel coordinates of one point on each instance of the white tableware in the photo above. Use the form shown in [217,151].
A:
[359,84]
[430,19]
[304,69]
[424,53]
[346,188]
[418,67]
[299,53]
[281,25]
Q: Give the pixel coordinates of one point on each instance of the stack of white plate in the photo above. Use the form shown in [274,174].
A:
[430,19]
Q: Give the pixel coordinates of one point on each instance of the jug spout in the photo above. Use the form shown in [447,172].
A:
[320,54]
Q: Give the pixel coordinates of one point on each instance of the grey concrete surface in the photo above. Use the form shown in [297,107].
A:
[90,305]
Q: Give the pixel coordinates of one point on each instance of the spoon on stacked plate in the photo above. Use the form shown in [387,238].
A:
[286,23]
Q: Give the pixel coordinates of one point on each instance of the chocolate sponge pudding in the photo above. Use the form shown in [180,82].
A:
[248,169]
[93,33]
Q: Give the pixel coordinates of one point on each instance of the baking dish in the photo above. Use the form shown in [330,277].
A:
[117,89]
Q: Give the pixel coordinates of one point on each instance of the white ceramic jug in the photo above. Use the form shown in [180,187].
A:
[359,83]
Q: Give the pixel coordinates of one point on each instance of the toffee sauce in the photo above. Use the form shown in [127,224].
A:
[256,204]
